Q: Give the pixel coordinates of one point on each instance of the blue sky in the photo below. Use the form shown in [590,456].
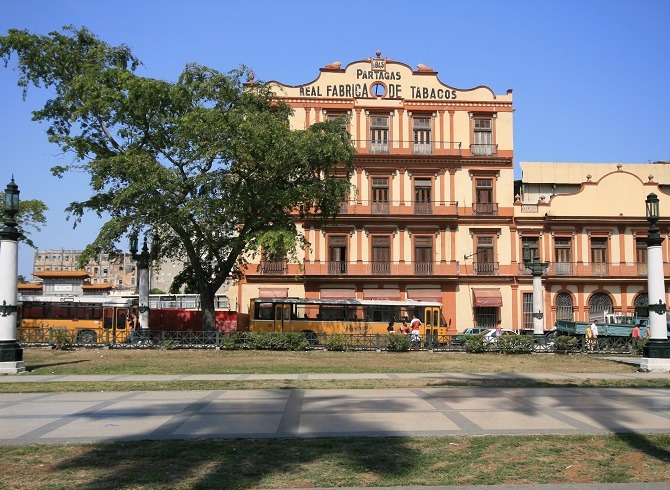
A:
[591,78]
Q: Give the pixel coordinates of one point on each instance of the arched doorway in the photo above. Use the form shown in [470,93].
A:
[641,305]
[564,308]
[599,303]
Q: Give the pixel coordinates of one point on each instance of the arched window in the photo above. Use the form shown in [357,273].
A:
[564,307]
[599,303]
[641,304]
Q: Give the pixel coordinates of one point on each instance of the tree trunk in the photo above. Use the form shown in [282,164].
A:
[208,311]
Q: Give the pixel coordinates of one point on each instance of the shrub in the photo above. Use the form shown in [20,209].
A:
[336,342]
[231,341]
[475,343]
[514,344]
[276,340]
[566,343]
[639,345]
[62,339]
[398,342]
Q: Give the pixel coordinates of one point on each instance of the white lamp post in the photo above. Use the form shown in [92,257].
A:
[657,351]
[536,268]
[11,354]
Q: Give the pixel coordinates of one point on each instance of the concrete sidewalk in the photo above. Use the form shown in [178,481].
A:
[448,411]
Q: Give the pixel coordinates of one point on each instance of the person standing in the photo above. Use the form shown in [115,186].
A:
[416,330]
[594,334]
[635,333]
[588,336]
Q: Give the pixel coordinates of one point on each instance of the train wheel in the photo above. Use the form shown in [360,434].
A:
[87,337]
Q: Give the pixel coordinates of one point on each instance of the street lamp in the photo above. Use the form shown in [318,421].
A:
[531,262]
[11,354]
[657,351]
[142,260]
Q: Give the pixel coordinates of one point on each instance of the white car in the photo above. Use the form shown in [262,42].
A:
[490,336]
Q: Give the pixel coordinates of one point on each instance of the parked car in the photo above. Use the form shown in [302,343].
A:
[490,336]
[463,336]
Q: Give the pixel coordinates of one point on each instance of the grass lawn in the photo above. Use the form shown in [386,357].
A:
[135,361]
[140,361]
[327,462]
[370,462]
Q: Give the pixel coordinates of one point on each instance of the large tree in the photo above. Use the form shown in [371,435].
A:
[208,165]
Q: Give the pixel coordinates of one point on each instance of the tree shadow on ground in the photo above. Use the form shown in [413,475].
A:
[34,367]
[246,463]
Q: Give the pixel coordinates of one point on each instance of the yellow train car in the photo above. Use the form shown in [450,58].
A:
[86,320]
[348,316]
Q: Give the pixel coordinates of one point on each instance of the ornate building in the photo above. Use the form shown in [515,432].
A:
[436,213]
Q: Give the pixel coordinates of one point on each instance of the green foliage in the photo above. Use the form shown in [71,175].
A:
[566,343]
[513,344]
[62,339]
[336,342]
[639,345]
[156,291]
[296,341]
[475,343]
[398,342]
[231,341]
[208,163]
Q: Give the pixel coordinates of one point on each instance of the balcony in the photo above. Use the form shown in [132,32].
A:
[579,269]
[272,267]
[422,149]
[377,268]
[486,268]
[484,150]
[405,147]
[379,147]
[485,208]
[401,208]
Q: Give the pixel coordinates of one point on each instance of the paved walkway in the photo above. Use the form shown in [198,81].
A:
[109,416]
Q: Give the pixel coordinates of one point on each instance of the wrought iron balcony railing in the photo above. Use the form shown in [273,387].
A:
[401,208]
[485,208]
[422,149]
[597,269]
[273,267]
[382,268]
[483,150]
[486,268]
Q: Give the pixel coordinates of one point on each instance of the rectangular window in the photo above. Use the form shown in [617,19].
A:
[563,256]
[599,256]
[423,256]
[422,140]
[641,256]
[341,117]
[380,196]
[422,196]
[530,249]
[484,204]
[528,311]
[485,316]
[337,255]
[485,258]
[381,255]
[379,134]
[483,138]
